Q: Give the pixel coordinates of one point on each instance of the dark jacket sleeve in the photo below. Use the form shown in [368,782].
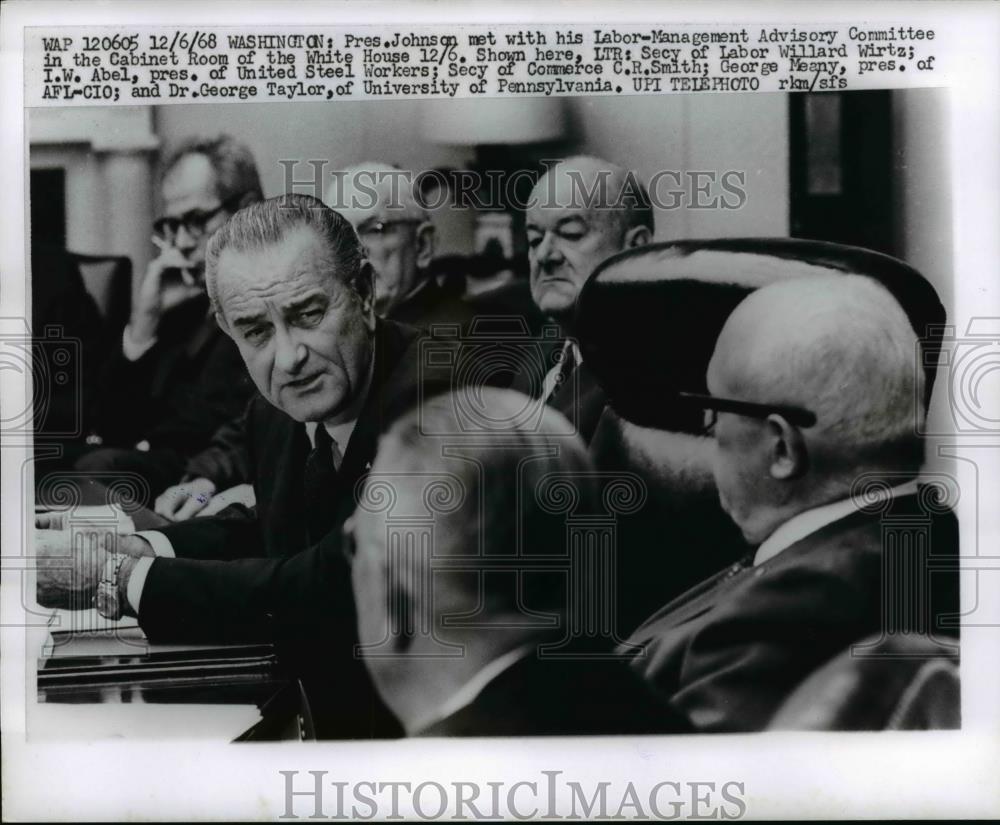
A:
[300,600]
[195,409]
[180,391]
[224,462]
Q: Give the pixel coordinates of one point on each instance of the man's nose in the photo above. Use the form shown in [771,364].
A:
[289,354]
[548,251]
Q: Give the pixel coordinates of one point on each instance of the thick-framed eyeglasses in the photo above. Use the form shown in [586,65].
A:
[194,221]
[713,405]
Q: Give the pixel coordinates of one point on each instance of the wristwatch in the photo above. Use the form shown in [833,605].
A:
[108,600]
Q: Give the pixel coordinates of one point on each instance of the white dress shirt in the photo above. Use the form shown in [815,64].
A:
[810,521]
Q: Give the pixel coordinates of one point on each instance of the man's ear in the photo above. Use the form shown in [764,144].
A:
[364,285]
[246,200]
[221,321]
[637,236]
[789,455]
[425,244]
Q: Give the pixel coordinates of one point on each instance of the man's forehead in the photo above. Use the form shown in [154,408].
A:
[386,198]
[293,266]
[191,179]
[582,192]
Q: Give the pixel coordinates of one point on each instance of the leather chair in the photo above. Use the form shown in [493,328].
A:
[648,318]
[647,321]
[911,684]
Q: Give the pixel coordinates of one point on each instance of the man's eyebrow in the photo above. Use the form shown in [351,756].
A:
[248,319]
[316,296]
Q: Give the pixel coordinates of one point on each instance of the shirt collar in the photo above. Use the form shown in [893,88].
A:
[468,692]
[811,521]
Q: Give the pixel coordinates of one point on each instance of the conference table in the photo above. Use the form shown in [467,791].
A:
[100,677]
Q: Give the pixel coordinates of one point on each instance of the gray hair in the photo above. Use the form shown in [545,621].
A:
[376,183]
[236,175]
[517,461]
[268,222]
[842,347]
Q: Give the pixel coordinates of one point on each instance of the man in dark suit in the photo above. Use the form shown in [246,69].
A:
[176,377]
[581,211]
[398,237]
[462,607]
[292,289]
[815,402]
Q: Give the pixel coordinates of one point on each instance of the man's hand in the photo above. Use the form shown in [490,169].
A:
[155,298]
[184,501]
[70,563]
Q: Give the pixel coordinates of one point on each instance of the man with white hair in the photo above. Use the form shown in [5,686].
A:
[815,405]
[398,236]
[441,534]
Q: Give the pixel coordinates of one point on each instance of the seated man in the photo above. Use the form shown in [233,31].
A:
[466,532]
[176,377]
[815,403]
[581,212]
[291,288]
[398,238]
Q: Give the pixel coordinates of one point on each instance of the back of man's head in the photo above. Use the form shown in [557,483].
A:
[508,485]
[842,348]
[237,180]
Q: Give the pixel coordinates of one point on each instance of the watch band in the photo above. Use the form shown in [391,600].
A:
[108,598]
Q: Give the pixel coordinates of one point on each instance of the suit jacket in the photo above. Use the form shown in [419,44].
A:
[189,383]
[224,461]
[246,575]
[553,697]
[730,650]
[432,304]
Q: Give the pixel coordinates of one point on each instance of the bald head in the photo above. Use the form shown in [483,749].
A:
[582,211]
[380,202]
[839,346]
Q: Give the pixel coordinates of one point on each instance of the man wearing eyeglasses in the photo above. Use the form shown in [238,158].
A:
[290,287]
[398,236]
[177,377]
[815,409]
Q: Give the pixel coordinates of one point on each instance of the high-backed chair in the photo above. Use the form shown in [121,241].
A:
[909,685]
[648,318]
[647,321]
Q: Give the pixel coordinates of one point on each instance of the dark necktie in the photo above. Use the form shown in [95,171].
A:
[318,487]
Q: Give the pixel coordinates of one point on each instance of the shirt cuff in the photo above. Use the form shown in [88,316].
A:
[160,543]
[137,581]
[131,350]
